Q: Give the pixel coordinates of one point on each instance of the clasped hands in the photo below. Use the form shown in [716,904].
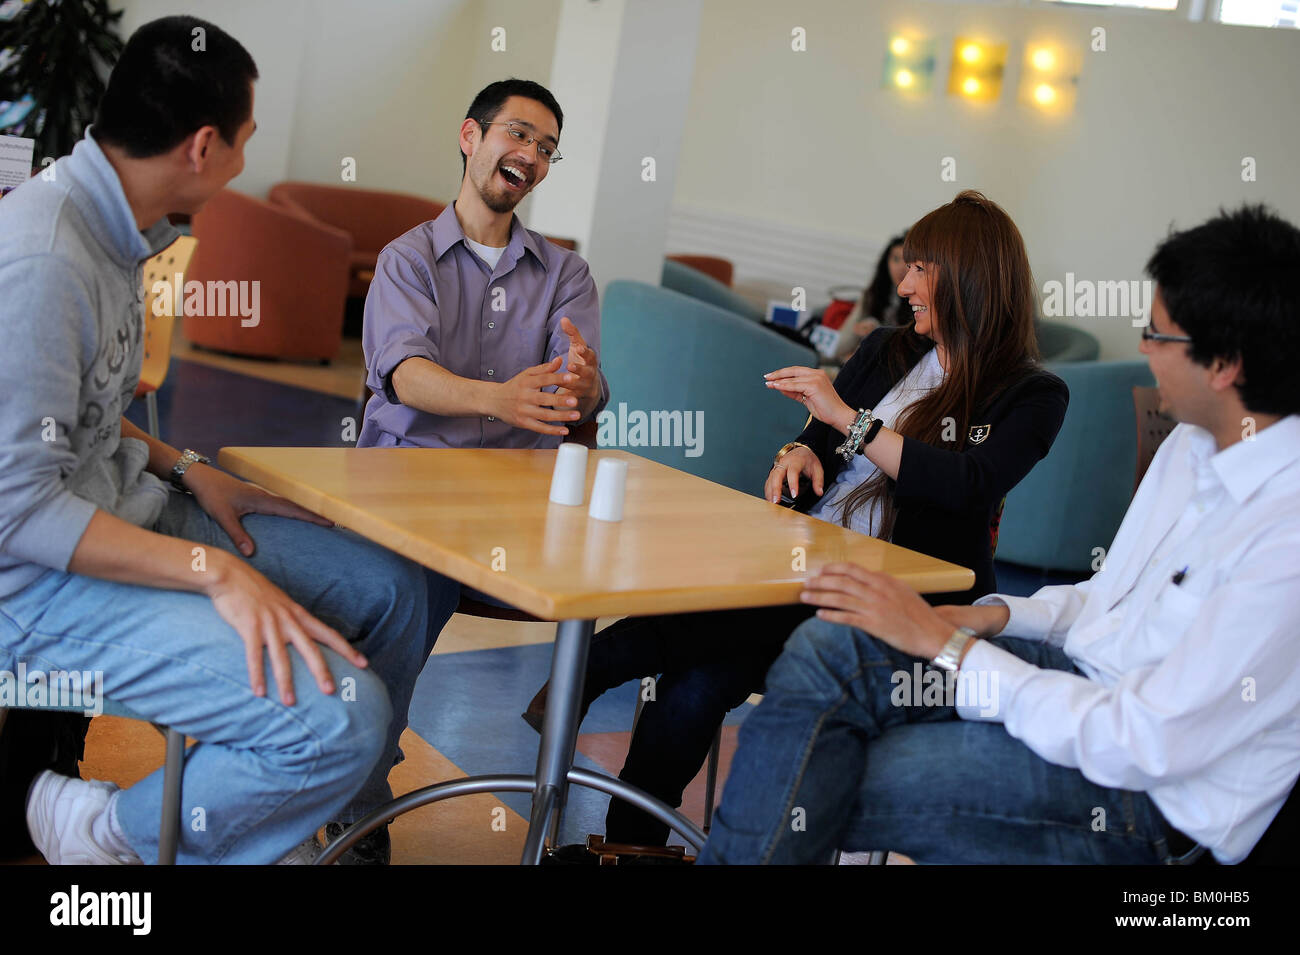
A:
[522,402]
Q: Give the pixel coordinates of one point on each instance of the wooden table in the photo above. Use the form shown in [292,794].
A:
[482,517]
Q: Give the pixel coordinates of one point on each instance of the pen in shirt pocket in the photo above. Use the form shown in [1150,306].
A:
[1177,578]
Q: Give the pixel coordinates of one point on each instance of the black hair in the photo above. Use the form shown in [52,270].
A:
[881,296]
[175,76]
[1230,284]
[491,98]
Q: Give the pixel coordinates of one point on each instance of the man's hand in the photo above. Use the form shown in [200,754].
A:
[882,605]
[226,499]
[987,621]
[522,402]
[812,388]
[264,616]
[583,362]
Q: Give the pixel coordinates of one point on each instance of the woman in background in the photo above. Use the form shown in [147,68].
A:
[880,304]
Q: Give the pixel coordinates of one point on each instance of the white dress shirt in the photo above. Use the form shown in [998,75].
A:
[1192,688]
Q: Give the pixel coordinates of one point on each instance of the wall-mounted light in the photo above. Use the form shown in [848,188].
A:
[977,69]
[909,64]
[1050,77]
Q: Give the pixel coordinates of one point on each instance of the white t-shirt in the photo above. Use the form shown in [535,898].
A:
[488,253]
[924,377]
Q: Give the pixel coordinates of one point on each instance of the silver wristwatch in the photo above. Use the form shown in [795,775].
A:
[183,464]
[949,657]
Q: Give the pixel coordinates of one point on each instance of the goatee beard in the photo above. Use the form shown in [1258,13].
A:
[504,203]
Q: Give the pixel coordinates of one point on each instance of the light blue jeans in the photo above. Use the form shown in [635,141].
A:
[828,761]
[263,776]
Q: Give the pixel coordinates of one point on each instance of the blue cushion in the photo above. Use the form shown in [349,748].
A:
[664,351]
[1074,499]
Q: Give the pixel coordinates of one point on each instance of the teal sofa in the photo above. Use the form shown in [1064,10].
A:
[693,282]
[665,351]
[1073,500]
[1060,342]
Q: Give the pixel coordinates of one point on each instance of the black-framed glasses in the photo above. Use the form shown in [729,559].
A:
[524,137]
[1149,336]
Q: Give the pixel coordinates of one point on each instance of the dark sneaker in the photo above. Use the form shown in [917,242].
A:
[375,848]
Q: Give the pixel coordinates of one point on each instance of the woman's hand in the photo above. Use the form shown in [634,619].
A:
[798,460]
[812,388]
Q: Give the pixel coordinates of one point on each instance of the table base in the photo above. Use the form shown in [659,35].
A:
[555,770]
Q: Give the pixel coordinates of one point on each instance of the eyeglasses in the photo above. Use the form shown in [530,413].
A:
[524,137]
[1149,336]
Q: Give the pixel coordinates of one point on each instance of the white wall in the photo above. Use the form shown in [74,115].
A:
[385,82]
[1162,121]
[808,141]
[271,32]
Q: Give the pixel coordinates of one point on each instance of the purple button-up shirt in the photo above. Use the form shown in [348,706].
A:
[433,298]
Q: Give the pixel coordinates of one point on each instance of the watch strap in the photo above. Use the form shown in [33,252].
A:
[949,658]
[187,459]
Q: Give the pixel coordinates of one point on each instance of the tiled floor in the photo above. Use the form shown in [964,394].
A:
[465,715]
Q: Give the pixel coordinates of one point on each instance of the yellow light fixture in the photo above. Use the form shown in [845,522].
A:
[1050,76]
[977,68]
[904,78]
[899,45]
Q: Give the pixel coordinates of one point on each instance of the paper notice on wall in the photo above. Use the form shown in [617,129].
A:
[16,154]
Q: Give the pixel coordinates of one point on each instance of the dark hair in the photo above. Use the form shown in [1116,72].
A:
[1231,285]
[982,304]
[882,294]
[492,97]
[171,81]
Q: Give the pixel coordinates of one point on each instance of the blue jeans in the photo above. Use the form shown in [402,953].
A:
[828,761]
[263,776]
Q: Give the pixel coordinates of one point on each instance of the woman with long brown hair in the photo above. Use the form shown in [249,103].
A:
[918,441]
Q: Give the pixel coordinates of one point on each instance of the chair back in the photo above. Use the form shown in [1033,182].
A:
[1058,342]
[674,363]
[689,281]
[372,217]
[1152,428]
[711,265]
[1073,500]
[169,266]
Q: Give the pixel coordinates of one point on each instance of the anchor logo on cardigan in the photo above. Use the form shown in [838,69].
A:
[978,432]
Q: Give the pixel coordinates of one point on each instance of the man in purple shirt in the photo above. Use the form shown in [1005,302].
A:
[479,332]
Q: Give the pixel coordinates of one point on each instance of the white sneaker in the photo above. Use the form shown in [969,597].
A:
[62,813]
[304,853]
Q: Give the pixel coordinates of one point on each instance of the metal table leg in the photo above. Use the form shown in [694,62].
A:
[559,733]
[555,769]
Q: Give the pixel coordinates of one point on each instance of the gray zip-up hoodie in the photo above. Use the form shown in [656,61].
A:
[72,309]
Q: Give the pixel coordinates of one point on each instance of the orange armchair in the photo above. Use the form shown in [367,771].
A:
[301,268]
[372,218]
[712,265]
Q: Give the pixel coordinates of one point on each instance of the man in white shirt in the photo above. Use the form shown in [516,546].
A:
[1142,716]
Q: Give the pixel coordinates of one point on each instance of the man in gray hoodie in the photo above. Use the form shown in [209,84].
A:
[129,559]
